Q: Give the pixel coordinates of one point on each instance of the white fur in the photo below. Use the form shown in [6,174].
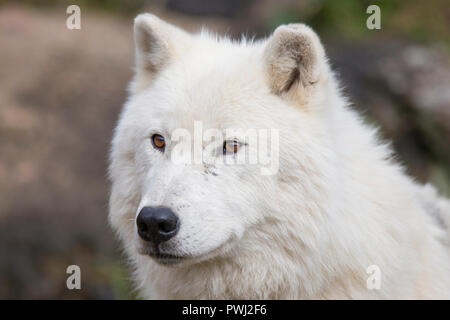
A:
[337,205]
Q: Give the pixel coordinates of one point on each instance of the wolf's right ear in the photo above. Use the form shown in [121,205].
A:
[156,44]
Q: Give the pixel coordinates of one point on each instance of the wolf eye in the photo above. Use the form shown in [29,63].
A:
[158,142]
[230,146]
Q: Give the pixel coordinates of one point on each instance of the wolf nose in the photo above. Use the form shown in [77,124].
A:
[157,224]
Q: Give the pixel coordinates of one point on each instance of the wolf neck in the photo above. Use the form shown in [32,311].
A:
[280,273]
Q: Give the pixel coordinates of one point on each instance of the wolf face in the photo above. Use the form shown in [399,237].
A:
[187,212]
[322,203]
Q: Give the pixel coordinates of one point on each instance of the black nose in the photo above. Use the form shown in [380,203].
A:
[157,224]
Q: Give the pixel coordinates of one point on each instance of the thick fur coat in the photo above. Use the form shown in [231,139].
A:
[337,206]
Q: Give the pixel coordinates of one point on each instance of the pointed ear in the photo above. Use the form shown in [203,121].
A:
[296,62]
[157,43]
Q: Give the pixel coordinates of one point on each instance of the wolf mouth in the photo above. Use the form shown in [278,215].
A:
[153,251]
[163,258]
[166,259]
[160,255]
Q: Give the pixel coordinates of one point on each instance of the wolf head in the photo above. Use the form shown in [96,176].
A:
[183,187]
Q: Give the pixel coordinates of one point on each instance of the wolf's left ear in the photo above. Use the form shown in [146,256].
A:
[157,43]
[295,62]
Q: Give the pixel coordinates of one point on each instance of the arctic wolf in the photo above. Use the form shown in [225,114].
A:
[337,218]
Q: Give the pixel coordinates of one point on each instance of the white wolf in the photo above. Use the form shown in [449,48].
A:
[336,210]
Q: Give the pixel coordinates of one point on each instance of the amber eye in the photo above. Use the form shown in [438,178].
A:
[158,141]
[230,146]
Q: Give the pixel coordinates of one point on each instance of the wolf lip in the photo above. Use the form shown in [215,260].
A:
[165,256]
[166,259]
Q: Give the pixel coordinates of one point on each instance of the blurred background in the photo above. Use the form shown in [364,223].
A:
[61,91]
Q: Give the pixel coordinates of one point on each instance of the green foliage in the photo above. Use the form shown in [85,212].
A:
[118,278]
[413,19]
